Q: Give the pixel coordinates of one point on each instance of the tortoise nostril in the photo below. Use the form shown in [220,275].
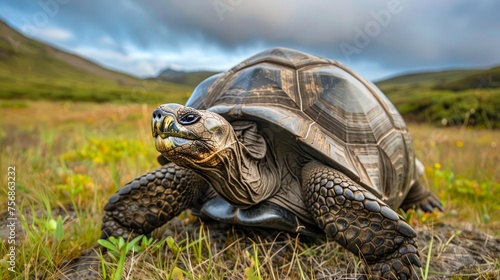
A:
[158,114]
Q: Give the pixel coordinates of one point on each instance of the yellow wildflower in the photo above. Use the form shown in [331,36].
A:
[437,165]
[460,144]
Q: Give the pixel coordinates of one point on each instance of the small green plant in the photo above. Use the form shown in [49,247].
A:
[407,215]
[118,249]
[252,272]
[176,272]
[466,193]
[425,271]
[185,250]
[77,187]
[56,226]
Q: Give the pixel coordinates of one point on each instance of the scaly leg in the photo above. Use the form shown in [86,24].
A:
[360,222]
[151,200]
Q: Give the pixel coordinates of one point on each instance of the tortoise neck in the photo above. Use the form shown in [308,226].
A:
[241,179]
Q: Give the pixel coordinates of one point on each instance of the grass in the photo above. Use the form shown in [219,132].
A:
[70,157]
[471,107]
[447,98]
[461,167]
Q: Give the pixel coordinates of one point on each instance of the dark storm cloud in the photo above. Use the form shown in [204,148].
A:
[393,33]
[377,38]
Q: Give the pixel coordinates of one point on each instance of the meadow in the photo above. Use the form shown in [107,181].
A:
[70,157]
[467,97]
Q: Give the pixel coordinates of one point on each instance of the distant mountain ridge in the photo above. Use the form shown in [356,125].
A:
[192,78]
[457,79]
[34,70]
[169,72]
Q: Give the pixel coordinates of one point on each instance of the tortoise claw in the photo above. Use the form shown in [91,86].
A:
[429,203]
[112,227]
[412,259]
[397,265]
[421,198]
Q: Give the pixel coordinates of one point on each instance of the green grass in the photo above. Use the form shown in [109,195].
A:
[67,89]
[85,87]
[448,98]
[70,157]
[461,166]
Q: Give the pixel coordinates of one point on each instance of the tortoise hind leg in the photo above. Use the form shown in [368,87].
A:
[419,196]
[360,222]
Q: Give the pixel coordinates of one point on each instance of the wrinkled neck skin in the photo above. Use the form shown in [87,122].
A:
[238,177]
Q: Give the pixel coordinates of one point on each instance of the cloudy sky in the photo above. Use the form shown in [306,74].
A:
[376,38]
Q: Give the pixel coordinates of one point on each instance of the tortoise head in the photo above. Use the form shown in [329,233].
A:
[188,136]
[231,157]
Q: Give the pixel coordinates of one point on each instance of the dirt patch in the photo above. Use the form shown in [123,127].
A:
[460,251]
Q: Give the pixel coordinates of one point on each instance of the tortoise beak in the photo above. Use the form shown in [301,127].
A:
[163,124]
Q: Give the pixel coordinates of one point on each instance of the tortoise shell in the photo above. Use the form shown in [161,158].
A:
[340,117]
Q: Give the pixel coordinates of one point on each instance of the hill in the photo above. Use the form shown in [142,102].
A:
[184,78]
[460,79]
[466,97]
[34,70]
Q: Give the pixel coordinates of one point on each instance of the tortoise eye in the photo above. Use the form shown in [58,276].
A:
[189,118]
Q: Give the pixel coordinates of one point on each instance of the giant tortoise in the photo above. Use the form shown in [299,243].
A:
[288,141]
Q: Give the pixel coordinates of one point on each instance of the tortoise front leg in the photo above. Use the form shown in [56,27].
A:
[360,222]
[151,200]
